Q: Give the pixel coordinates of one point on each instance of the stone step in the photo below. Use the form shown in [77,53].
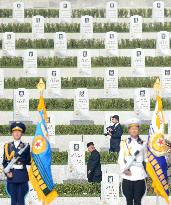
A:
[93,52]
[146,35]
[69,93]
[73,72]
[150,200]
[78,20]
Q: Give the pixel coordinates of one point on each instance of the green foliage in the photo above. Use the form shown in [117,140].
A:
[61,158]
[118,104]
[77,13]
[76,130]
[75,82]
[75,27]
[80,190]
[51,62]
[83,44]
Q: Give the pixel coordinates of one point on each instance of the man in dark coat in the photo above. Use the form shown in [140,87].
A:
[17,177]
[94,173]
[115,132]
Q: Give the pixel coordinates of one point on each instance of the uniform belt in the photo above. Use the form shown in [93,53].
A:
[17,166]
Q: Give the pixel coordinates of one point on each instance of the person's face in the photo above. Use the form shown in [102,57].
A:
[114,120]
[21,94]
[76,147]
[90,148]
[17,134]
[134,131]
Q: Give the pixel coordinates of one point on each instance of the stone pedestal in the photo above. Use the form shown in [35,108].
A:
[81,122]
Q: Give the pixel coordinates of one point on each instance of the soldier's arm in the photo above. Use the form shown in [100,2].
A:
[121,159]
[28,160]
[5,161]
[145,152]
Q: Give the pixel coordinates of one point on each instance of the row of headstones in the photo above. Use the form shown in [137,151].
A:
[111,42]
[65,11]
[81,95]
[86,27]
[84,55]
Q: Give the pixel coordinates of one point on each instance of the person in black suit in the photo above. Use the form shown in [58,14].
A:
[115,132]
[94,173]
[17,178]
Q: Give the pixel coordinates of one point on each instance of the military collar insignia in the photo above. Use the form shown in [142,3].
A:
[21,145]
[11,145]
[139,140]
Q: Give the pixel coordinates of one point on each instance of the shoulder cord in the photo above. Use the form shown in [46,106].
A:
[9,157]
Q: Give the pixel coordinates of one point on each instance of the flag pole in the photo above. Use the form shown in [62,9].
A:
[41,88]
[157,88]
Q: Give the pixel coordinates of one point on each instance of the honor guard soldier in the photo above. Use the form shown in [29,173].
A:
[132,157]
[94,173]
[16,157]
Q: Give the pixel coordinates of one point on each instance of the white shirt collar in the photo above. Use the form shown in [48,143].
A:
[16,143]
[117,124]
[134,139]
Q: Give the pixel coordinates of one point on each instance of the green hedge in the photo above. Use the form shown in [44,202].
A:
[51,62]
[84,44]
[75,82]
[61,158]
[77,13]
[79,190]
[116,104]
[76,130]
[75,27]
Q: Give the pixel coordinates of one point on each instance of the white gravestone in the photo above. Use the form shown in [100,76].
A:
[18,12]
[51,130]
[108,121]
[111,43]
[112,11]
[111,83]
[107,124]
[138,62]
[21,104]
[8,44]
[158,12]
[86,27]
[53,84]
[38,27]
[84,63]
[163,43]
[1,83]
[110,189]
[60,44]
[30,62]
[166,81]
[81,104]
[135,27]
[76,160]
[142,103]
[65,12]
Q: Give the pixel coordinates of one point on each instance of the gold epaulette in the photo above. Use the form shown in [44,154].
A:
[7,155]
